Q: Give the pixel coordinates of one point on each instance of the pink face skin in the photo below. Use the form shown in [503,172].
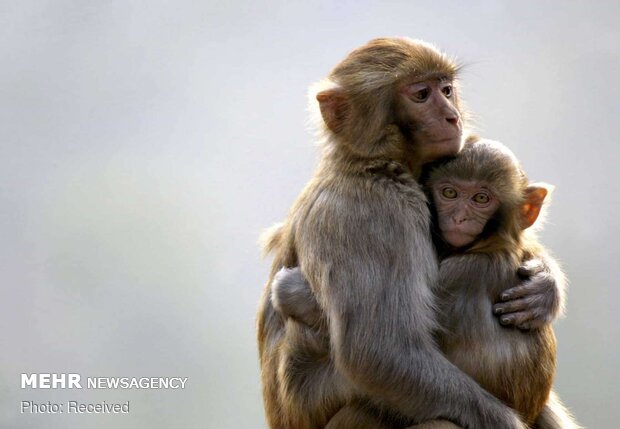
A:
[463,209]
[430,107]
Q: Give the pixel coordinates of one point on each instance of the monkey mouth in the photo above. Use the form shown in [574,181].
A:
[448,140]
[459,232]
[457,238]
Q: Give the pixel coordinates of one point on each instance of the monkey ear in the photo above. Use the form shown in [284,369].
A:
[535,195]
[334,107]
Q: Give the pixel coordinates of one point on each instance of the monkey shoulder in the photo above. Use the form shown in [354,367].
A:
[371,215]
[392,182]
[383,189]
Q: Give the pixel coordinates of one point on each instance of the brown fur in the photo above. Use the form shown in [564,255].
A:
[360,233]
[516,366]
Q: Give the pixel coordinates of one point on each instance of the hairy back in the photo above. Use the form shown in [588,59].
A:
[343,229]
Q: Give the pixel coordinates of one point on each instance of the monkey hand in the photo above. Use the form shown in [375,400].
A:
[538,300]
[292,296]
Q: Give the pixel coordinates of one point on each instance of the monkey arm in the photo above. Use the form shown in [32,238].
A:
[292,296]
[372,267]
[539,299]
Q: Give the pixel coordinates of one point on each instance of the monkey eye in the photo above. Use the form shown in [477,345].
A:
[447,91]
[449,193]
[481,198]
[420,94]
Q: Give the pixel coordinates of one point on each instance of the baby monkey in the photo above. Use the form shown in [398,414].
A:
[483,205]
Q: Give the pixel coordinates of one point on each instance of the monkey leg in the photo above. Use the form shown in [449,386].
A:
[435,424]
[353,417]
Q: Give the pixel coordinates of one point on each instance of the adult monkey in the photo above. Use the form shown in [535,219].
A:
[360,233]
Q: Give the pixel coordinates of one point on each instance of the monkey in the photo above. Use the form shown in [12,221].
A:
[483,206]
[360,232]
[483,209]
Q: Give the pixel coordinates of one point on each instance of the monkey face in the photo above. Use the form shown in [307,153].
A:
[463,209]
[429,110]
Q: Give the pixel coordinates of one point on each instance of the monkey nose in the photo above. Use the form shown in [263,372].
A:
[459,220]
[453,120]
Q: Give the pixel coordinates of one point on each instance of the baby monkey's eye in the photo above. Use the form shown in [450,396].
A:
[481,198]
[447,91]
[448,193]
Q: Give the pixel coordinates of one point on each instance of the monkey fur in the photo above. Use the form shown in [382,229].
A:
[360,233]
[517,366]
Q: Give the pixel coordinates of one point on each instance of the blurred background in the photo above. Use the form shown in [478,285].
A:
[144,145]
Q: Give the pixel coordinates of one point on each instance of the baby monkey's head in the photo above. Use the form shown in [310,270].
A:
[482,198]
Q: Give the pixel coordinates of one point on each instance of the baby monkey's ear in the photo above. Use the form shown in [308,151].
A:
[535,195]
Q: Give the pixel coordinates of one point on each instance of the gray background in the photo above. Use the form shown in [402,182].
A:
[144,145]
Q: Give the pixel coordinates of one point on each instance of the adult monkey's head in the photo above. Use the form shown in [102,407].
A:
[393,81]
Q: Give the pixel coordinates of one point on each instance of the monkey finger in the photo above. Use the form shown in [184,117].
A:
[531,318]
[541,282]
[512,306]
[515,319]
[534,323]
[520,291]
[524,326]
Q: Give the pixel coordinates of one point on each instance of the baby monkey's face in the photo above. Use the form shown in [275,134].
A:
[463,209]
